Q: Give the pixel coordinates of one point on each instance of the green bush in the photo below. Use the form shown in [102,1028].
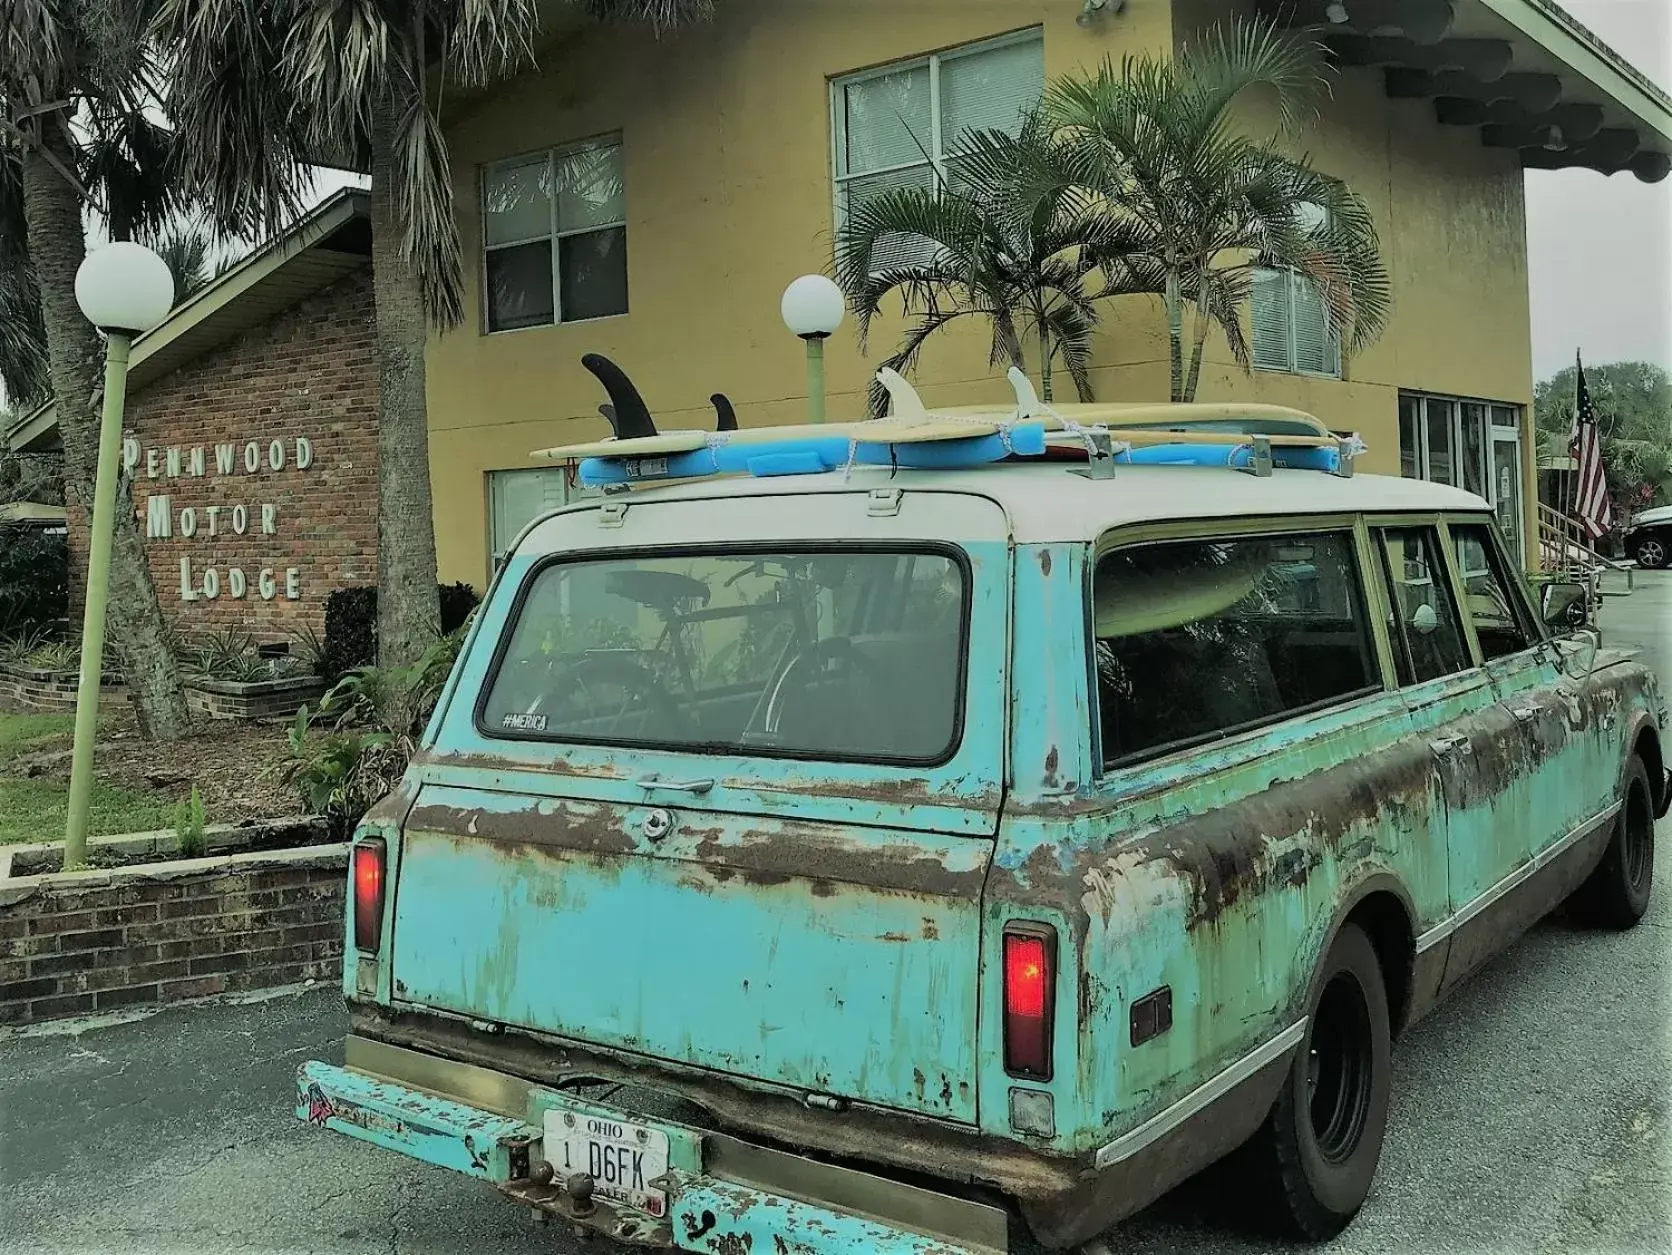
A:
[34,578]
[188,826]
[351,624]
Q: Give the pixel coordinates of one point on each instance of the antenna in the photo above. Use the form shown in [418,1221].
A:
[725,416]
[903,399]
[631,419]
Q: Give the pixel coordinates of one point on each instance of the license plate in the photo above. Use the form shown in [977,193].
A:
[622,1158]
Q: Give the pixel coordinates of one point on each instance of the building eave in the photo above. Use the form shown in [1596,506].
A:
[329,242]
[1524,73]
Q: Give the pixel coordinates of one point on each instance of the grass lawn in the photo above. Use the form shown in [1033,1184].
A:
[34,809]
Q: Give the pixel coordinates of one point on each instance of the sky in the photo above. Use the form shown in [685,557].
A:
[1599,250]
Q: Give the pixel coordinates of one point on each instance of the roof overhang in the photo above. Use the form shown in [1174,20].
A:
[32,514]
[1523,73]
[327,243]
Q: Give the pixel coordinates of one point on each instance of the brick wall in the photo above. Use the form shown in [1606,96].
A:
[310,373]
[88,942]
[30,688]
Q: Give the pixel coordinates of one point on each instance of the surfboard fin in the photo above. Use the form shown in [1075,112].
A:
[903,399]
[631,419]
[725,416]
[1027,400]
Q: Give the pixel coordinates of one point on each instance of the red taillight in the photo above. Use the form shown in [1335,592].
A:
[1030,977]
[368,895]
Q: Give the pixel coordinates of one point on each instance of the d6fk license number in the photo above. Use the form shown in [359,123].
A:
[621,1157]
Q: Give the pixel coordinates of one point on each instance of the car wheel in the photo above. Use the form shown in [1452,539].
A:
[1651,552]
[1322,1140]
[1617,893]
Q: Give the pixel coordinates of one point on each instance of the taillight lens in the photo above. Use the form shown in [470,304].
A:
[1030,978]
[368,894]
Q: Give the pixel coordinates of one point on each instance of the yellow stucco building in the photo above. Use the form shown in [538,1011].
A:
[730,148]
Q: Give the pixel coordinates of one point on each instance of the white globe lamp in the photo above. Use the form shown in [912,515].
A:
[812,308]
[123,289]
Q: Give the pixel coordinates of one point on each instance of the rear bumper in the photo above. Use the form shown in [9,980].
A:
[712,1205]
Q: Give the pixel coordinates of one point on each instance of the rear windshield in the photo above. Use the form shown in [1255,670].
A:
[832,655]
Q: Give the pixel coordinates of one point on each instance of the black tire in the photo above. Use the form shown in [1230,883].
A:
[1617,893]
[1652,550]
[1320,1145]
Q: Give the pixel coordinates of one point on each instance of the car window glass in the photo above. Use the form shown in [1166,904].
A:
[1424,626]
[1489,599]
[1197,639]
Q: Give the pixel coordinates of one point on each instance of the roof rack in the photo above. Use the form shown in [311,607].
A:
[1253,438]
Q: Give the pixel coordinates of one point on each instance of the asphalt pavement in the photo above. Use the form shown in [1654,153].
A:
[1530,1115]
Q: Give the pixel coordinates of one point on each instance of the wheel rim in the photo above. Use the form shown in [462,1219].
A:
[1638,845]
[1339,1068]
[1650,553]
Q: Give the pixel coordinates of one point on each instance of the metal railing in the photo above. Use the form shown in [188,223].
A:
[1565,552]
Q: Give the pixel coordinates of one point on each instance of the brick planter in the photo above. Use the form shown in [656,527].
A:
[260,699]
[35,688]
[77,943]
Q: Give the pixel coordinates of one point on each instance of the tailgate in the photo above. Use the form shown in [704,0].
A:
[830,958]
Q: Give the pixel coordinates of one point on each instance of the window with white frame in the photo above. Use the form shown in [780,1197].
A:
[1291,328]
[902,125]
[554,237]
[517,498]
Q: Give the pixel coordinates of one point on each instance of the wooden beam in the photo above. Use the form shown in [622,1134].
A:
[1651,167]
[1534,92]
[1486,60]
[1424,22]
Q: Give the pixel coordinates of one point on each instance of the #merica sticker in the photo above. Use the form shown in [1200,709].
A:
[524,723]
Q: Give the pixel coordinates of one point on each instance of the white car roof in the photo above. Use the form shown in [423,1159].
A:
[1052,503]
[1660,514]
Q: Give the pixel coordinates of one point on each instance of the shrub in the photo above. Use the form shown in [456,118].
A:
[334,772]
[34,578]
[188,826]
[351,624]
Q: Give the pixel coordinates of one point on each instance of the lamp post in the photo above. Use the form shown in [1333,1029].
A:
[123,289]
[812,308]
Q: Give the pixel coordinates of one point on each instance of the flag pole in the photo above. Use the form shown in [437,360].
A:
[1570,478]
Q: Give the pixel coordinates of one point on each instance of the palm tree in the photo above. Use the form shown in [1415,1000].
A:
[1200,205]
[76,82]
[258,86]
[186,248]
[961,250]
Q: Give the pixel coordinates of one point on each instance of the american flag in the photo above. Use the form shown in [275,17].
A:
[1591,505]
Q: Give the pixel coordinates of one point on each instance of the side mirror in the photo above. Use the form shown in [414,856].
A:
[1566,605]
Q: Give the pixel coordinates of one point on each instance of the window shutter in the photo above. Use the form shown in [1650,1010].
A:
[520,496]
[889,121]
[1271,320]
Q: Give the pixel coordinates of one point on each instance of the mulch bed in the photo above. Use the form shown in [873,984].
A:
[237,766]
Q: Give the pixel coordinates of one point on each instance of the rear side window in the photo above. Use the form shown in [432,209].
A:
[1202,639]
[832,655]
[1490,599]
[1426,631]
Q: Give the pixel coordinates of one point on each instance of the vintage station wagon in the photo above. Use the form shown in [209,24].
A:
[938,860]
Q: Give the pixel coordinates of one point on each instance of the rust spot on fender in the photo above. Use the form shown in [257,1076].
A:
[1052,758]
[897,938]
[1044,561]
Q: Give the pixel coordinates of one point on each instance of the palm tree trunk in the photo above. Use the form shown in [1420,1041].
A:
[408,607]
[1044,362]
[1175,336]
[137,630]
[1201,326]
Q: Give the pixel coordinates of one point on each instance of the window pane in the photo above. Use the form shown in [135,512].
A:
[1271,320]
[840,655]
[892,250]
[589,188]
[1440,467]
[1409,450]
[1427,633]
[1492,603]
[990,90]
[1315,347]
[1202,638]
[517,203]
[593,271]
[519,497]
[888,120]
[1474,448]
[520,286]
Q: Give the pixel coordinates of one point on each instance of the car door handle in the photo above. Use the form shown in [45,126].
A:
[1450,745]
[653,781]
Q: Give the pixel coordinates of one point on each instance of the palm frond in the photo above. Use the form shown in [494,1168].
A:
[422,189]
[491,38]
